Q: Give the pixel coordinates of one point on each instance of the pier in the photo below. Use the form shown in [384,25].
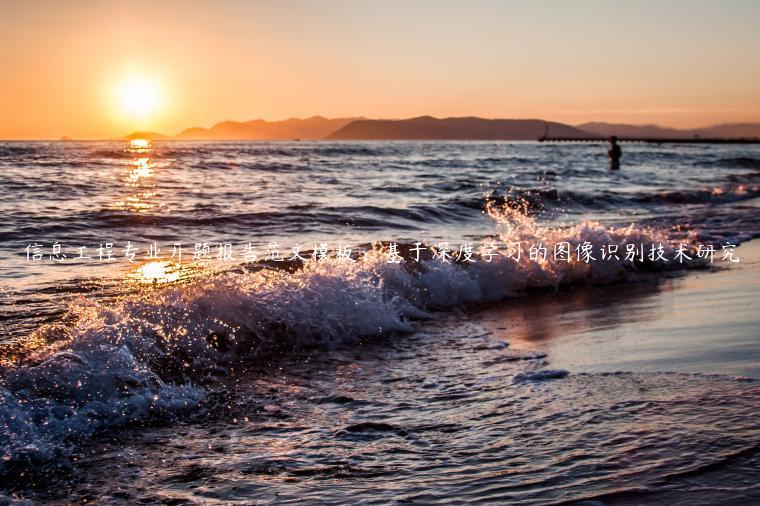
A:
[655,140]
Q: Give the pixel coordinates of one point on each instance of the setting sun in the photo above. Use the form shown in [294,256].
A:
[344,252]
[138,97]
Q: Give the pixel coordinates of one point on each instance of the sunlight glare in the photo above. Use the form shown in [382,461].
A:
[138,97]
[139,144]
[156,272]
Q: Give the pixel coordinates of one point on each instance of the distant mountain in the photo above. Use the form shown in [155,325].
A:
[737,130]
[150,136]
[312,128]
[729,130]
[623,130]
[470,128]
[429,128]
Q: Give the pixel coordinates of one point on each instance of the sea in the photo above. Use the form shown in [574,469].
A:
[302,322]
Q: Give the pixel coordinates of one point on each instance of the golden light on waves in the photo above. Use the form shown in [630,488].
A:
[158,271]
[139,144]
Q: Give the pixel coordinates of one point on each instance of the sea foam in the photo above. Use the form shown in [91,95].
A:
[151,357]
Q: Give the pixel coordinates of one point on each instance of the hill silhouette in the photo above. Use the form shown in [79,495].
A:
[623,130]
[151,136]
[748,130]
[314,128]
[728,130]
[430,128]
[468,128]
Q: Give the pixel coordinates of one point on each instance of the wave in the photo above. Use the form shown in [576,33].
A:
[341,149]
[280,149]
[489,162]
[120,153]
[534,200]
[152,357]
[743,162]
[11,151]
[719,194]
[449,208]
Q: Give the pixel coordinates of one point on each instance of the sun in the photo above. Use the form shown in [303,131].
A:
[138,97]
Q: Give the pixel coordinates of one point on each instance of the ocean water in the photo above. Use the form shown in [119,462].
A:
[160,378]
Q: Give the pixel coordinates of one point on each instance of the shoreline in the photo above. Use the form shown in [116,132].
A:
[699,322]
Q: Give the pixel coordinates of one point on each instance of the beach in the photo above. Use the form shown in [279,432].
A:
[703,322]
[546,400]
[316,359]
[363,253]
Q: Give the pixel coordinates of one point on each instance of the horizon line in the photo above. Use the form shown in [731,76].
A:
[66,138]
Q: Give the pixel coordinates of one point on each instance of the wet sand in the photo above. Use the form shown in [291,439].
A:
[706,322]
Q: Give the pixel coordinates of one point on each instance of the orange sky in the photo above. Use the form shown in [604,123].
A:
[677,63]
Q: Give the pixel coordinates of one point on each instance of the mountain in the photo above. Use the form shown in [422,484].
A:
[470,128]
[150,136]
[429,128]
[312,128]
[728,130]
[623,130]
[736,130]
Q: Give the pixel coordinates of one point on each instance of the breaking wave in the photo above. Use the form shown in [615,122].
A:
[719,194]
[154,356]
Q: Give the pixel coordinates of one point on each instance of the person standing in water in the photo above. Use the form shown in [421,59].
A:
[614,153]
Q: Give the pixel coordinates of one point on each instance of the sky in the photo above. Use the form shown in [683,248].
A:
[104,69]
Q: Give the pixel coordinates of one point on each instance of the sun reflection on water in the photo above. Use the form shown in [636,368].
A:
[158,271]
[139,144]
[142,168]
[139,178]
[165,271]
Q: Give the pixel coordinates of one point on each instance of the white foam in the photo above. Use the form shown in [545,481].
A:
[144,356]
